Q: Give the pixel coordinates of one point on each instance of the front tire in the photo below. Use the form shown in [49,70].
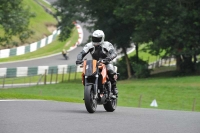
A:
[90,101]
[111,105]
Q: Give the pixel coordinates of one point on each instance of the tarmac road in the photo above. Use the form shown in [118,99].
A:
[62,117]
[52,60]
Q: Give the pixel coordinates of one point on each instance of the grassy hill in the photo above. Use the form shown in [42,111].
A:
[41,24]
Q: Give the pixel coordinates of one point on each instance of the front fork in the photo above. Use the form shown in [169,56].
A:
[95,85]
[109,88]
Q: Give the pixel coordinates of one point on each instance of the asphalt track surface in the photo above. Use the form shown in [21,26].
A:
[35,116]
[52,60]
[62,117]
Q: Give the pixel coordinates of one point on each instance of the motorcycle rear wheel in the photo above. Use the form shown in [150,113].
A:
[90,101]
[111,105]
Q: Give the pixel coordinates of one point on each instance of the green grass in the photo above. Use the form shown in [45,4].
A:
[40,22]
[145,55]
[55,47]
[170,93]
[175,93]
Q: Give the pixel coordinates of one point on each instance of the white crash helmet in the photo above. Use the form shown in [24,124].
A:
[98,37]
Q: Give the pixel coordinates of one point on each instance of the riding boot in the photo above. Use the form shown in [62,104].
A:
[114,88]
[113,78]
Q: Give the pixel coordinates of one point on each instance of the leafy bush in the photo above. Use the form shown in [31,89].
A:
[198,67]
[140,67]
[121,64]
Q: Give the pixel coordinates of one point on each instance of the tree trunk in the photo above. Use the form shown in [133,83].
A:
[188,64]
[136,49]
[178,62]
[195,58]
[185,63]
[127,63]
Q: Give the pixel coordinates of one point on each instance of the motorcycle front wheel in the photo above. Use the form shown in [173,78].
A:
[111,105]
[90,101]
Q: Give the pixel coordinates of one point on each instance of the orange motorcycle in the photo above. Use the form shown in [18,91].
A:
[97,86]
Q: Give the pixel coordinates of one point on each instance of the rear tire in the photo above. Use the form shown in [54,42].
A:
[90,102]
[111,105]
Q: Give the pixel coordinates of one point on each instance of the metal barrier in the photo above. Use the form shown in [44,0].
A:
[27,76]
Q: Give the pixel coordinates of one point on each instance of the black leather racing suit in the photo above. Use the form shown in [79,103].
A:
[102,51]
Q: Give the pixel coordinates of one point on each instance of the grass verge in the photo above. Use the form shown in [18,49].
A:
[180,93]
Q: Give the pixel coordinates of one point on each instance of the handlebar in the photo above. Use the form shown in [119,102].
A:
[104,61]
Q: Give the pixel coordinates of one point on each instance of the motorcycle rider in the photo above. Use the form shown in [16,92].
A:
[65,53]
[100,49]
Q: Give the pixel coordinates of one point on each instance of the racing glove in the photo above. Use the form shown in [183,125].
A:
[107,60]
[78,62]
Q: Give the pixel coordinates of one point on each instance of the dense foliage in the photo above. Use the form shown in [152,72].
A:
[139,68]
[14,20]
[172,26]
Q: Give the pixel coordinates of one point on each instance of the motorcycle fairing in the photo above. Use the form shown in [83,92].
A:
[103,73]
[89,67]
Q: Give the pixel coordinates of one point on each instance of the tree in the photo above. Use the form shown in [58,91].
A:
[101,16]
[171,26]
[14,21]
[117,32]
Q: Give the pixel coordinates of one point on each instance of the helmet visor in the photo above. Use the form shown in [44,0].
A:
[96,39]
